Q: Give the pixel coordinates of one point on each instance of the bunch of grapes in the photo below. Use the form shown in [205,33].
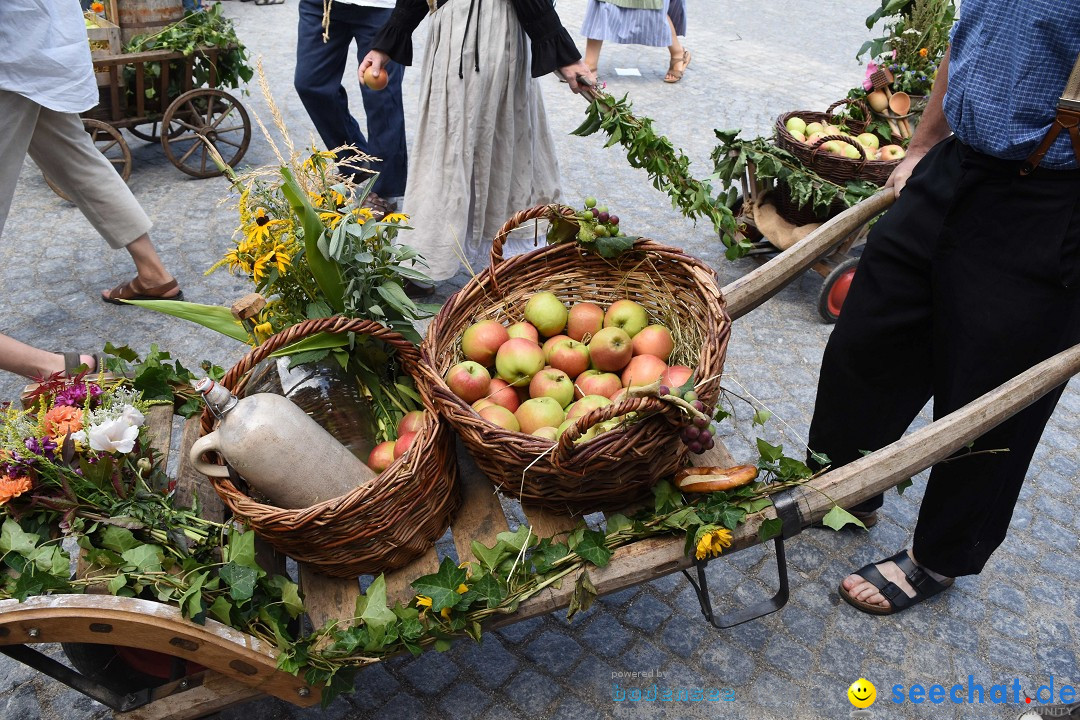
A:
[698,436]
[607,225]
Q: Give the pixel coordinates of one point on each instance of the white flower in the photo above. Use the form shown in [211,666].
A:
[79,438]
[117,435]
[132,415]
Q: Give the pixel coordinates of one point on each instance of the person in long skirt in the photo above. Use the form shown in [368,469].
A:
[657,23]
[483,149]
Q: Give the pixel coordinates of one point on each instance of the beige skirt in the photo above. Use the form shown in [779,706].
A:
[483,149]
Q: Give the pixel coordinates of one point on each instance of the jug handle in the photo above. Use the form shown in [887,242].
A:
[202,445]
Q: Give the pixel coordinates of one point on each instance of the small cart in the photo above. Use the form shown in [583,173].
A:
[182,116]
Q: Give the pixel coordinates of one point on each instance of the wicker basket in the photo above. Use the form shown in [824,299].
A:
[617,467]
[833,167]
[376,527]
[801,215]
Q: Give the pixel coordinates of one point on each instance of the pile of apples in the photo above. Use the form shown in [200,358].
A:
[590,359]
[810,133]
[387,452]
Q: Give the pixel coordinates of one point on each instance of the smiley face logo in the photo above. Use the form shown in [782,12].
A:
[862,693]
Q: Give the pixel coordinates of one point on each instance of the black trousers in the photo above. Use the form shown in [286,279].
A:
[972,277]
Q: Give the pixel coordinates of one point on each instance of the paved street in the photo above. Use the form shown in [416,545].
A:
[753,59]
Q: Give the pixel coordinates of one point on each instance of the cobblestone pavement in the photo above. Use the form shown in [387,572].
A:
[752,60]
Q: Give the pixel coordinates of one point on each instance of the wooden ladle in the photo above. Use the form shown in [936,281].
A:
[900,103]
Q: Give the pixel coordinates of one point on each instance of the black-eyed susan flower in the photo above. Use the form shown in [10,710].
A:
[396,218]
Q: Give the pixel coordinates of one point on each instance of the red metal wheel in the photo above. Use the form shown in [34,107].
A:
[834,289]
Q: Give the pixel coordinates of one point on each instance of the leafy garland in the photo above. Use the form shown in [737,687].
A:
[770,162]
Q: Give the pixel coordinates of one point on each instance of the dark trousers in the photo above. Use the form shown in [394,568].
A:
[319,70]
[971,278]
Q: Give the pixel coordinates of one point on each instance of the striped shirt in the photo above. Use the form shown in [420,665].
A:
[1009,63]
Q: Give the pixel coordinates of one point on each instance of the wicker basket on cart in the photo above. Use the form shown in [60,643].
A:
[617,467]
[378,526]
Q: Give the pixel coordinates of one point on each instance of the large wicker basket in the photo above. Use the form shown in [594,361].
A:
[617,467]
[376,527]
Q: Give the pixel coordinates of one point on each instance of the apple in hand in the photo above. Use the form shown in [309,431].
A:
[868,140]
[552,383]
[500,393]
[892,152]
[381,456]
[498,415]
[411,422]
[546,313]
[518,360]
[570,356]
[376,80]
[597,382]
[468,380]
[643,370]
[627,315]
[403,444]
[585,318]
[654,340]
[539,412]
[611,349]
[481,341]
[523,330]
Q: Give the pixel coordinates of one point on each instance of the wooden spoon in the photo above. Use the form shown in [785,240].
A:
[900,103]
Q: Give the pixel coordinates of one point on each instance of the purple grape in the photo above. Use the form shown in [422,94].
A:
[709,444]
[695,447]
[613,219]
[701,422]
[692,432]
[663,391]
[602,217]
[705,436]
[698,405]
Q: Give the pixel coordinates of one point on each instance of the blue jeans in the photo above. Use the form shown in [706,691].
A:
[319,70]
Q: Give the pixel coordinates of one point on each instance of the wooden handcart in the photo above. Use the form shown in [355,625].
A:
[238,667]
[181,115]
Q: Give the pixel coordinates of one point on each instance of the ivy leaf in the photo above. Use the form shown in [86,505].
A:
[666,497]
[838,517]
[770,528]
[583,596]
[116,583]
[901,487]
[146,558]
[546,553]
[290,594]
[489,589]
[241,549]
[240,579]
[610,247]
[820,459]
[792,469]
[731,516]
[490,557]
[123,352]
[442,586]
[769,453]
[753,506]
[517,540]
[221,610]
[618,522]
[761,417]
[371,608]
[14,539]
[118,539]
[592,548]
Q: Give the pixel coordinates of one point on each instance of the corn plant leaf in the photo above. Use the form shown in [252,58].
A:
[215,317]
[326,272]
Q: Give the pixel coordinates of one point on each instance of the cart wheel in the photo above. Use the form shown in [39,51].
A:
[153,133]
[126,669]
[110,143]
[835,289]
[211,114]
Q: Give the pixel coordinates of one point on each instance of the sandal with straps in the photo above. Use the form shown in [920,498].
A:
[924,585]
[134,290]
[677,74]
[73,362]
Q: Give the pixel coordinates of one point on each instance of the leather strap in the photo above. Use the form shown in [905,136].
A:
[1068,118]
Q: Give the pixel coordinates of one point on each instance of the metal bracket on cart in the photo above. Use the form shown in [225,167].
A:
[787,509]
[111,697]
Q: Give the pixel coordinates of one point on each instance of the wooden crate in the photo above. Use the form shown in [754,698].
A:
[104,42]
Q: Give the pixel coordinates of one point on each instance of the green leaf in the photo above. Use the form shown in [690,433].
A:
[371,608]
[240,579]
[13,539]
[753,506]
[770,528]
[769,453]
[617,522]
[146,558]
[442,586]
[490,558]
[489,589]
[820,459]
[838,517]
[215,317]
[761,417]
[318,341]
[241,549]
[610,247]
[326,272]
[221,609]
[731,516]
[290,594]
[519,538]
[547,553]
[123,352]
[116,583]
[583,596]
[901,487]
[592,548]
[666,497]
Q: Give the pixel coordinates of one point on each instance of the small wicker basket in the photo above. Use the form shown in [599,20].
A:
[617,467]
[379,526]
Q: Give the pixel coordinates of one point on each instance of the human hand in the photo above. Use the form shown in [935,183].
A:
[376,60]
[899,176]
[570,74]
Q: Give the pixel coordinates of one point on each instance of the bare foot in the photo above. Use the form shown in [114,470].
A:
[861,589]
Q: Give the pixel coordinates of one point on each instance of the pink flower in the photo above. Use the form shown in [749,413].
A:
[871,68]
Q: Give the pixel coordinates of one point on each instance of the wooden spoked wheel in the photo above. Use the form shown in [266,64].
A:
[151,131]
[210,115]
[109,143]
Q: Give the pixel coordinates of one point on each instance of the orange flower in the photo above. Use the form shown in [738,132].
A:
[923,52]
[97,7]
[13,487]
[63,420]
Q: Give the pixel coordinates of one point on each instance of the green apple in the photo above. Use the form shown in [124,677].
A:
[611,349]
[546,313]
[518,360]
[795,125]
[539,412]
[627,315]
[552,383]
[868,140]
[814,127]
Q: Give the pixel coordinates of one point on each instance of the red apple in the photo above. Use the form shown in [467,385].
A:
[468,380]
[627,315]
[411,422]
[403,444]
[597,382]
[611,349]
[381,456]
[585,318]
[546,313]
[620,395]
[643,370]
[570,356]
[523,330]
[676,376]
[654,340]
[481,341]
[550,344]
[376,80]
[500,393]
[586,405]
[892,152]
[498,415]
[539,412]
[552,383]
[518,360]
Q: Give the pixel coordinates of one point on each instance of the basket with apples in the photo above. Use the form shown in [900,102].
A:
[549,364]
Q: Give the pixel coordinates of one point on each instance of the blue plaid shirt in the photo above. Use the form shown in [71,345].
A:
[1009,64]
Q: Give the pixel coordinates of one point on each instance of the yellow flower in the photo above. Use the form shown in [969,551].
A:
[281,258]
[330,219]
[259,268]
[423,601]
[364,214]
[462,589]
[711,541]
[263,331]
[396,217]
[445,612]
[317,160]
[923,52]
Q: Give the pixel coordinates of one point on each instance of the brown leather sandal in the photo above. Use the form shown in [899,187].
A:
[134,290]
[379,206]
[677,74]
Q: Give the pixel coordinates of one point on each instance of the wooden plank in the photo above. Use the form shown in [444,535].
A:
[159,427]
[327,598]
[190,483]
[546,523]
[481,515]
[193,697]
[398,588]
